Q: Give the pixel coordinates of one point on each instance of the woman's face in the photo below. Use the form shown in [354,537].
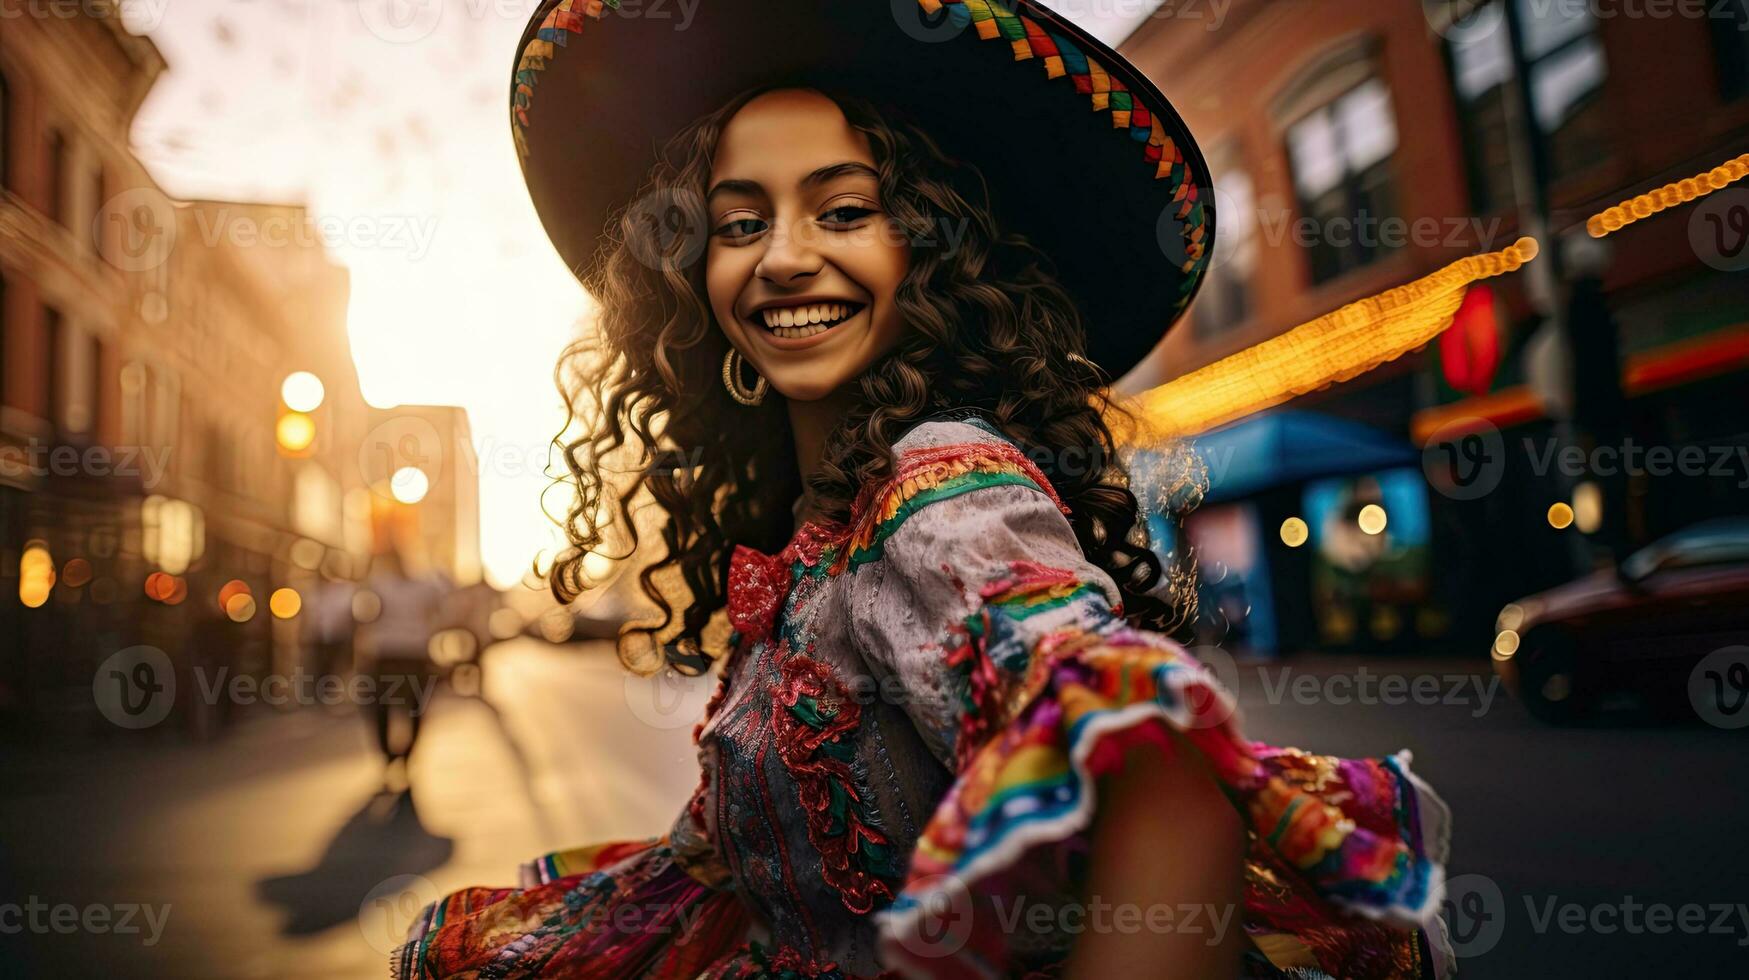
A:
[802,263]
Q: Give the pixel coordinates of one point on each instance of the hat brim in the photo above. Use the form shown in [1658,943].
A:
[1081,153]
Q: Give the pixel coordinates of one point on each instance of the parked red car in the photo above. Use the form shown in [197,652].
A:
[1641,628]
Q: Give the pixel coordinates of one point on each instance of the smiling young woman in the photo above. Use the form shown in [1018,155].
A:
[863,349]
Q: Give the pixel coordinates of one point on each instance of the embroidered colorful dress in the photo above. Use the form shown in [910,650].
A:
[899,767]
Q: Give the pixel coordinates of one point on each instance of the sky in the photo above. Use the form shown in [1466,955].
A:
[388,118]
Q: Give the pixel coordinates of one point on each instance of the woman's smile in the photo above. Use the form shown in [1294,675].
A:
[794,325]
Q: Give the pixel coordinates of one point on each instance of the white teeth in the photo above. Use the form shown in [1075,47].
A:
[804,321]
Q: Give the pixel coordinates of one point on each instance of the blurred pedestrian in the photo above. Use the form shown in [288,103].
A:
[329,626]
[399,609]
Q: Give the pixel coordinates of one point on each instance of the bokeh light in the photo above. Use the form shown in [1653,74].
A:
[1294,532]
[302,392]
[1372,519]
[409,484]
[285,603]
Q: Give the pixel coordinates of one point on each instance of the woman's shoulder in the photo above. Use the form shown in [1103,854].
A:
[953,474]
[955,427]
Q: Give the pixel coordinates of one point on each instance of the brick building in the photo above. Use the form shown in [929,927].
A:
[144,346]
[1356,147]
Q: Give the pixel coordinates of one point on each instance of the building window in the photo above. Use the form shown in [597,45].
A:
[5,129]
[1731,45]
[53,364]
[1341,157]
[1225,299]
[57,178]
[95,209]
[1564,60]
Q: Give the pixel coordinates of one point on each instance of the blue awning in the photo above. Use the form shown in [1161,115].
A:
[1284,448]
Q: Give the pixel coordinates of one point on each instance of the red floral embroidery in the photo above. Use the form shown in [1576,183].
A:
[814,719]
[759,583]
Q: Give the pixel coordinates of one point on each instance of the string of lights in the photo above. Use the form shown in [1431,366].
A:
[1332,348]
[1666,197]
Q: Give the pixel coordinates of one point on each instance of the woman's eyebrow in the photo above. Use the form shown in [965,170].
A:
[831,171]
[734,185]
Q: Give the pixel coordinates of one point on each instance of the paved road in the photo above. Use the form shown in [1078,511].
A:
[277,856]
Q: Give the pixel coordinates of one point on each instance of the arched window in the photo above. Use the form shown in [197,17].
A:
[1341,131]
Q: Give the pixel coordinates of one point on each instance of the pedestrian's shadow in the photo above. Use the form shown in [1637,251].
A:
[382,840]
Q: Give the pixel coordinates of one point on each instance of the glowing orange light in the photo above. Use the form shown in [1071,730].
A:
[1670,195]
[230,590]
[296,431]
[1314,355]
[285,603]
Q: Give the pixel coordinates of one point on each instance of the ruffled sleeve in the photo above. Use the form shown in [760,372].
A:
[1023,678]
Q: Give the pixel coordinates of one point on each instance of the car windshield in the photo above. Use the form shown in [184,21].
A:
[1721,542]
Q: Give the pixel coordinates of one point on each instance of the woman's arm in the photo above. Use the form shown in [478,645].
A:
[1166,873]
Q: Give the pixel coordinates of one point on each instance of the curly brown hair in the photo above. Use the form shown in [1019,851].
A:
[990,329]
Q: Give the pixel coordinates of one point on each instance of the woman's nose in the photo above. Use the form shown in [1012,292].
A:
[789,255]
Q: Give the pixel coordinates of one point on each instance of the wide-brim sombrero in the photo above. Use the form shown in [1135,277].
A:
[1081,152]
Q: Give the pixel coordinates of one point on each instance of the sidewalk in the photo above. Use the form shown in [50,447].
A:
[275,851]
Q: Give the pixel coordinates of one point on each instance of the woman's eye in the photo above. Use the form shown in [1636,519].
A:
[848,214]
[741,228]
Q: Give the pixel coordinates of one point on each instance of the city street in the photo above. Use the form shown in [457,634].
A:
[271,846]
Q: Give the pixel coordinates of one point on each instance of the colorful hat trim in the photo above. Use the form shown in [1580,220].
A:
[1028,40]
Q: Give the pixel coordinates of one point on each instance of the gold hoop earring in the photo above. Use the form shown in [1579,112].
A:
[732,380]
